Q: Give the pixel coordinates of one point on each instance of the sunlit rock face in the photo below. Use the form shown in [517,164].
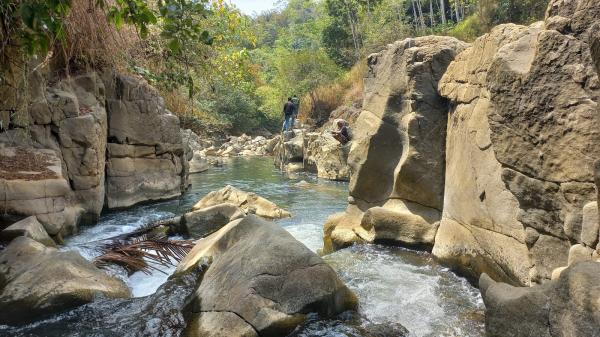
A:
[522,139]
[146,158]
[267,296]
[398,152]
[87,142]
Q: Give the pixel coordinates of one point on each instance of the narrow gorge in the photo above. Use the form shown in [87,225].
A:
[464,204]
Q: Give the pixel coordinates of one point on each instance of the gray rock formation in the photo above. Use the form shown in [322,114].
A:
[145,151]
[520,149]
[568,306]
[249,202]
[326,157]
[29,227]
[202,222]
[83,153]
[38,281]
[398,152]
[267,296]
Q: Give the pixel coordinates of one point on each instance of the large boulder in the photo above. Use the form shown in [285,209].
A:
[198,163]
[66,135]
[519,152]
[29,227]
[145,157]
[567,306]
[520,149]
[249,202]
[32,183]
[37,281]
[398,150]
[202,222]
[67,122]
[267,296]
[326,157]
[290,148]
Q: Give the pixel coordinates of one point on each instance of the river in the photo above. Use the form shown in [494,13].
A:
[394,285]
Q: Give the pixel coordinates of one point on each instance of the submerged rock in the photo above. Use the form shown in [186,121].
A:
[270,294]
[37,281]
[249,202]
[567,306]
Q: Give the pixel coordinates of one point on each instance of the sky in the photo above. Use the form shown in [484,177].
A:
[253,6]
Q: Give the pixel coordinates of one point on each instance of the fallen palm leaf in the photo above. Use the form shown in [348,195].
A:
[144,253]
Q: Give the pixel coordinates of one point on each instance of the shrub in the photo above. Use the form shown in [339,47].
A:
[317,105]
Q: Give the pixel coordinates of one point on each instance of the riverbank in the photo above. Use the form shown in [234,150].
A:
[394,285]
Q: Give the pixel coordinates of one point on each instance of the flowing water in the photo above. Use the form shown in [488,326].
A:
[395,286]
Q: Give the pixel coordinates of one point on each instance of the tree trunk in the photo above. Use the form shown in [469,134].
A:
[353,30]
[415,19]
[421,18]
[456,10]
[431,18]
[443,11]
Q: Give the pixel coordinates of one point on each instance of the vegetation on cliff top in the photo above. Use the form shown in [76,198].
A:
[219,69]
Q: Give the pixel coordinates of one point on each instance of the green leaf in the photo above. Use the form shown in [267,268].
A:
[174,45]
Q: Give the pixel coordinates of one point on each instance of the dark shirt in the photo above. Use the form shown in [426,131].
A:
[344,132]
[296,102]
[289,108]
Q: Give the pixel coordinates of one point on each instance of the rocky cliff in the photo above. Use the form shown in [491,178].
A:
[88,142]
[494,142]
[397,156]
[522,137]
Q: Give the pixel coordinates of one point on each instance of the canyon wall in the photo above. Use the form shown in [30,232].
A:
[500,153]
[397,154]
[85,143]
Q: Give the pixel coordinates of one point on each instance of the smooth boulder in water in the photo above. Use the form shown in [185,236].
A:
[249,202]
[38,281]
[207,220]
[260,281]
[567,306]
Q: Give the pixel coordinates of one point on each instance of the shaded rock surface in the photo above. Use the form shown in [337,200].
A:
[37,281]
[567,306]
[204,221]
[272,293]
[29,227]
[160,314]
[249,202]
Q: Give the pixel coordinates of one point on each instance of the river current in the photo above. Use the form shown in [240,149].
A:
[395,286]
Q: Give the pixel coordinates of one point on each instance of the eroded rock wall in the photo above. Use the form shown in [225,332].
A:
[398,151]
[67,153]
[522,137]
[145,158]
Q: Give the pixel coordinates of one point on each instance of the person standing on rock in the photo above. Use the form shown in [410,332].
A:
[296,102]
[288,113]
[342,134]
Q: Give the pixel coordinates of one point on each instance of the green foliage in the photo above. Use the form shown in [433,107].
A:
[40,23]
[217,66]
[469,29]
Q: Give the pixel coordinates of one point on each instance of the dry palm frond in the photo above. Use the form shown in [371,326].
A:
[145,253]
